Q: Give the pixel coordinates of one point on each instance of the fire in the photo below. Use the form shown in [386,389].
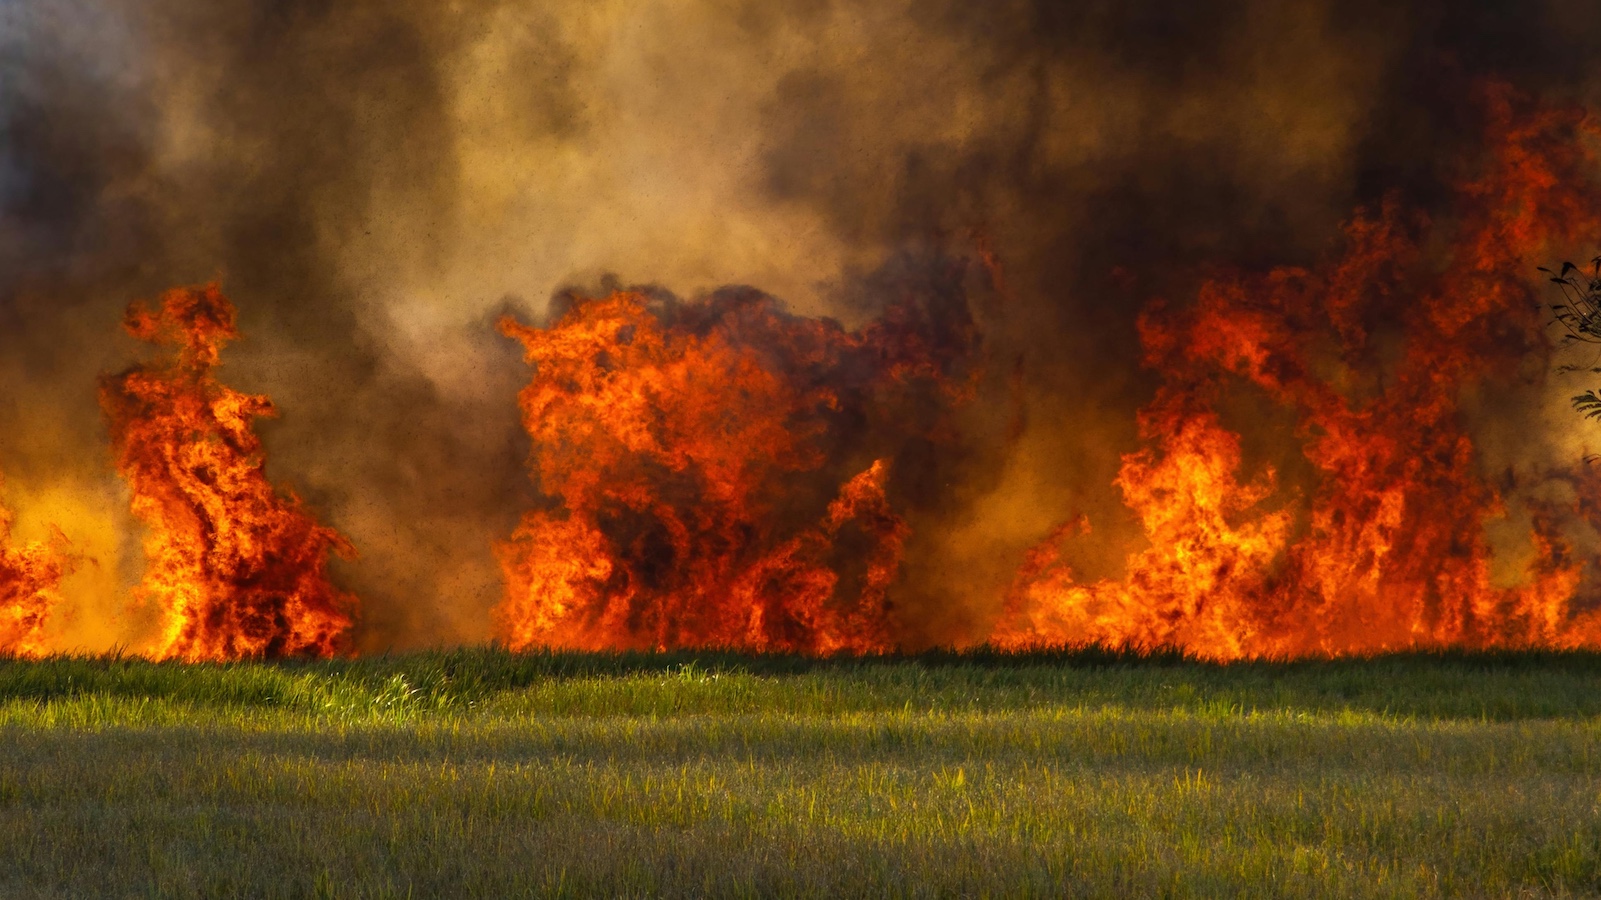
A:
[1373,354]
[708,480]
[721,473]
[236,568]
[30,579]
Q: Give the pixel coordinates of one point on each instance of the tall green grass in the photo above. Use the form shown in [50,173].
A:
[484,773]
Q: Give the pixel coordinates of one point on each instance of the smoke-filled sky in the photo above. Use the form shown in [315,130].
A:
[375,183]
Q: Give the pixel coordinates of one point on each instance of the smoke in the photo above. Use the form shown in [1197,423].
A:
[374,184]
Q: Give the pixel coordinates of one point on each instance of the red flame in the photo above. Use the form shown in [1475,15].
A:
[237,569]
[718,473]
[1373,354]
[30,578]
[693,453]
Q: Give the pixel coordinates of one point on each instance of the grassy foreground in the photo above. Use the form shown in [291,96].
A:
[477,773]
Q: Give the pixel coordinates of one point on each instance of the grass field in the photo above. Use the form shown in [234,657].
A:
[483,774]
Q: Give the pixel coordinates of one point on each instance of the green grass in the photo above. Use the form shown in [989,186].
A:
[481,773]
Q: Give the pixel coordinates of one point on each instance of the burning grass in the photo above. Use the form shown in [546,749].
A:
[236,568]
[480,773]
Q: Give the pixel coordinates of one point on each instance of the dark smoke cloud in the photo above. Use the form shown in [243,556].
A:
[371,181]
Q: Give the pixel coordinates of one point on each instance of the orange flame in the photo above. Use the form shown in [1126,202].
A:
[237,569]
[1388,551]
[30,578]
[693,453]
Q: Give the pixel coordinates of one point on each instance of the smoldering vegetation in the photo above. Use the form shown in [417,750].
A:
[375,185]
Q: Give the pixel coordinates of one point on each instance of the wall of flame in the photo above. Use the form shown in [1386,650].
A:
[377,185]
